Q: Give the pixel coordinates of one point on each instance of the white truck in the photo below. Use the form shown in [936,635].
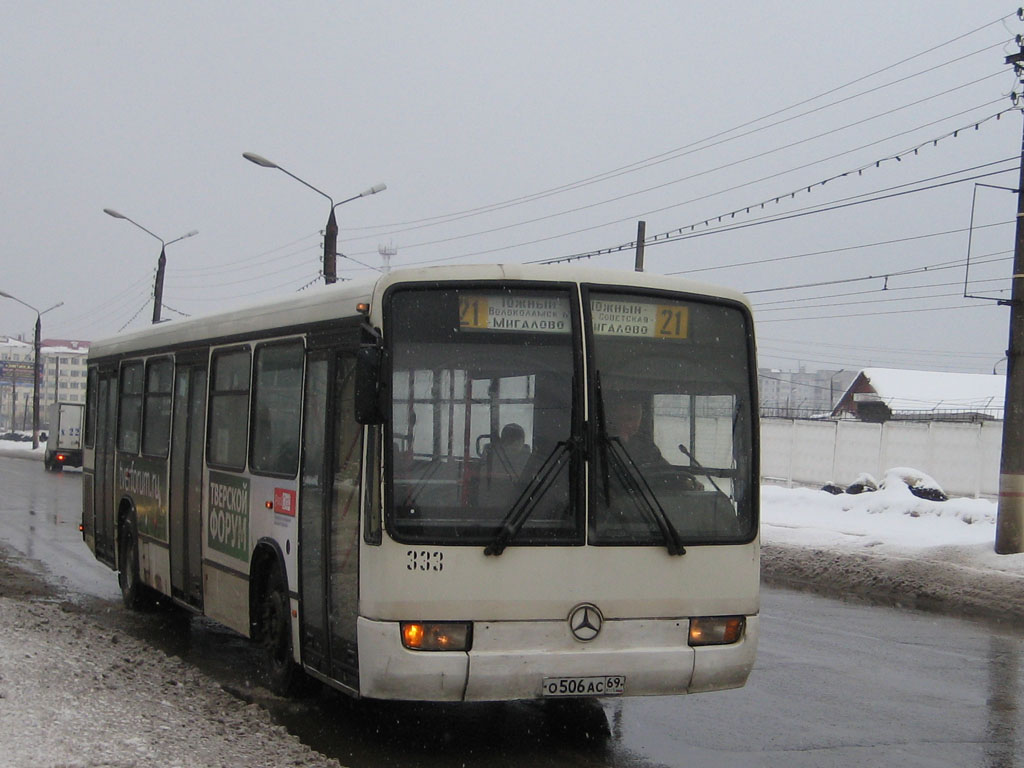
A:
[64,441]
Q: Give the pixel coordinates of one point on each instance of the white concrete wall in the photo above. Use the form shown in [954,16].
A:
[963,458]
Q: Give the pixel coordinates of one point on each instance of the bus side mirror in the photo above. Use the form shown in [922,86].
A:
[368,385]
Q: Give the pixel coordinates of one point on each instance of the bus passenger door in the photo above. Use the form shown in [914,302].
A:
[103,481]
[186,492]
[329,517]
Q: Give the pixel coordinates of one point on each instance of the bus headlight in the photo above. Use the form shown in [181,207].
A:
[437,635]
[716,630]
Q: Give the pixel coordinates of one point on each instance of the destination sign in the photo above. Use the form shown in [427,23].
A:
[552,314]
[518,312]
[636,319]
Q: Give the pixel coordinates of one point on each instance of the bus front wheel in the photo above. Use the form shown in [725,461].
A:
[280,674]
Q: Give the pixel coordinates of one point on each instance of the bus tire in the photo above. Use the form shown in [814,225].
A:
[274,634]
[134,593]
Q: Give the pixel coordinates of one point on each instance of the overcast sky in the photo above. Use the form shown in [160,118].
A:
[522,131]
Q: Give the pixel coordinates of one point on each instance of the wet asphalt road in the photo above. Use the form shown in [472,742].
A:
[835,684]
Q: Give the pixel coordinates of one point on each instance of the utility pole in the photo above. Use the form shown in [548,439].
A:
[1010,515]
[331,248]
[641,235]
[38,374]
[158,285]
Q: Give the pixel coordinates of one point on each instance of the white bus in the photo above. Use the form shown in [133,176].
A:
[451,484]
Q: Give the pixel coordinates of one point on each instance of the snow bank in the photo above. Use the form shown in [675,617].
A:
[74,695]
[893,547]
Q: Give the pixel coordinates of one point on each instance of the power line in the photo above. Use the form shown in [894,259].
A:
[695,145]
[872,314]
[930,268]
[249,261]
[724,166]
[137,313]
[680,233]
[831,251]
[868,301]
[873,290]
[801,352]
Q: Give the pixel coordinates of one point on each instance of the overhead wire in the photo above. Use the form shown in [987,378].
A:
[846,316]
[443,240]
[249,261]
[663,185]
[679,233]
[696,145]
[895,273]
[832,251]
[889,289]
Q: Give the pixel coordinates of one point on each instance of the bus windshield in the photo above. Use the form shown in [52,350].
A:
[672,391]
[488,428]
[482,399]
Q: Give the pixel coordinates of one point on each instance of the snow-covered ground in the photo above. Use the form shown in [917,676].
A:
[891,546]
[891,520]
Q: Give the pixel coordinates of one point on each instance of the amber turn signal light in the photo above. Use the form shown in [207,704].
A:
[437,635]
[716,630]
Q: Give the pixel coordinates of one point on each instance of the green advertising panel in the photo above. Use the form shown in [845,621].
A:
[145,481]
[228,531]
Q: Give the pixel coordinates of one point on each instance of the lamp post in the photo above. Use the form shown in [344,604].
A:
[158,286]
[331,230]
[35,363]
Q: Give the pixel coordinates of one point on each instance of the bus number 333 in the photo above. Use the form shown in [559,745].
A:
[422,560]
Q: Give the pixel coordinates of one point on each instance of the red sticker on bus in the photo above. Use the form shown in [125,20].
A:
[284,502]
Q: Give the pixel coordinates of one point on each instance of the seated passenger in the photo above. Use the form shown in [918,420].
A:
[507,456]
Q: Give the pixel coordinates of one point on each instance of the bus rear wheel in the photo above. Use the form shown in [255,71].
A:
[134,593]
[274,634]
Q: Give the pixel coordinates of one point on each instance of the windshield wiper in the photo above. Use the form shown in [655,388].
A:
[640,493]
[531,496]
[631,478]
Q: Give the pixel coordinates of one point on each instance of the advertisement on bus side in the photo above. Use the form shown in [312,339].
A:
[145,481]
[228,530]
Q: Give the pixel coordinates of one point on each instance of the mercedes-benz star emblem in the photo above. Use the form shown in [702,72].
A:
[585,622]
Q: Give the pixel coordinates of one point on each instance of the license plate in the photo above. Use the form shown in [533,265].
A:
[612,685]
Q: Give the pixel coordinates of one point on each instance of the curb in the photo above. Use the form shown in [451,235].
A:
[899,582]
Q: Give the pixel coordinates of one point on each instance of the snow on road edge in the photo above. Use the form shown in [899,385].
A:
[74,694]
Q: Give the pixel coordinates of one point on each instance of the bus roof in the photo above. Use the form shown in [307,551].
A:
[325,303]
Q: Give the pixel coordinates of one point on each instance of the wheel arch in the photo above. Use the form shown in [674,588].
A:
[266,555]
[126,515]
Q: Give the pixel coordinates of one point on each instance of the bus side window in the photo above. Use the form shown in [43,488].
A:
[129,422]
[277,402]
[91,398]
[156,410]
[227,437]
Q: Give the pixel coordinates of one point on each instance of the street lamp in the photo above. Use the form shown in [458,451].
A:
[35,363]
[158,287]
[331,230]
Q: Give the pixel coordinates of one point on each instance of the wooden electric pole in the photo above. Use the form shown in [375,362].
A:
[1010,516]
